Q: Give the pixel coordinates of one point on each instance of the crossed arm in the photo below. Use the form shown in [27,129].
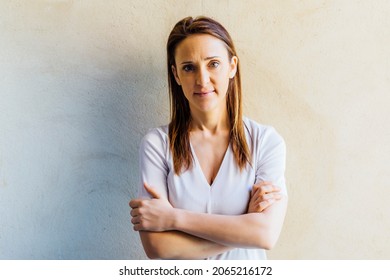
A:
[171,233]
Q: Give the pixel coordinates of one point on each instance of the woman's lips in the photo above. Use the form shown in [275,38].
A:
[204,93]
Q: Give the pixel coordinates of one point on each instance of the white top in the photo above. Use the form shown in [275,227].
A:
[229,194]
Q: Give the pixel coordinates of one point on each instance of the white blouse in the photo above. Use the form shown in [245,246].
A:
[229,194]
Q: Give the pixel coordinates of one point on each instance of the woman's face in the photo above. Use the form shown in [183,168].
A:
[203,70]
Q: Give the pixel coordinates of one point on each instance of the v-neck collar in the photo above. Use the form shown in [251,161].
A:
[199,168]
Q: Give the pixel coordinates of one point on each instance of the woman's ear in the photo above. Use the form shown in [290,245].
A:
[175,74]
[233,67]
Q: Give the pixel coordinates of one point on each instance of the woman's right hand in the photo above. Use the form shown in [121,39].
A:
[263,195]
[153,214]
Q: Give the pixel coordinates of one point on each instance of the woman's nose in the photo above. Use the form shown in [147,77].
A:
[203,77]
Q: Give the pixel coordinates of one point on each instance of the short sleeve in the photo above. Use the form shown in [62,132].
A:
[153,164]
[271,159]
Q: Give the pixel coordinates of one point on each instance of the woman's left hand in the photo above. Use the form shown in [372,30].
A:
[263,195]
[155,214]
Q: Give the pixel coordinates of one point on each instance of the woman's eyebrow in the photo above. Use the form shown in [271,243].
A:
[186,62]
[206,58]
[212,57]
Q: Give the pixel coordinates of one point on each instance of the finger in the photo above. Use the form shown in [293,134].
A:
[268,196]
[151,191]
[135,203]
[135,220]
[255,190]
[265,186]
[262,198]
[137,227]
[257,196]
[261,195]
[277,196]
[134,212]
[263,183]
[269,189]
[260,184]
[277,189]
[266,189]
[266,203]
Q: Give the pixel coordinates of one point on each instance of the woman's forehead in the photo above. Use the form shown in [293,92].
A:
[200,46]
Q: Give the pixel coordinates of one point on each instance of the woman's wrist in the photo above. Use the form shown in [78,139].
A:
[175,221]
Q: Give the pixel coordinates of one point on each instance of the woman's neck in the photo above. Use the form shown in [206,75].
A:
[212,122]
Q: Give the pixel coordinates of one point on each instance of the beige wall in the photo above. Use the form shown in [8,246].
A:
[82,81]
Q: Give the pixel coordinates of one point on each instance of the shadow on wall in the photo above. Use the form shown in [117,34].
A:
[110,106]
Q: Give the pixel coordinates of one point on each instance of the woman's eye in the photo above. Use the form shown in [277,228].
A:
[188,68]
[214,64]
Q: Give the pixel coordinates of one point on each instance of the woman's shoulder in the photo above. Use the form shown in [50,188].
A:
[261,132]
[156,136]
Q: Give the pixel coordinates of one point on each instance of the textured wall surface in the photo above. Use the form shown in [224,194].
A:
[82,81]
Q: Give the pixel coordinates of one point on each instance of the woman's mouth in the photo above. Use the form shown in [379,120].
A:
[204,93]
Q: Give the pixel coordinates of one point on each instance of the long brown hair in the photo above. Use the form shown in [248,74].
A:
[179,126]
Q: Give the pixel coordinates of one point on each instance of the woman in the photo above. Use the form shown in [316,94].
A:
[212,181]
